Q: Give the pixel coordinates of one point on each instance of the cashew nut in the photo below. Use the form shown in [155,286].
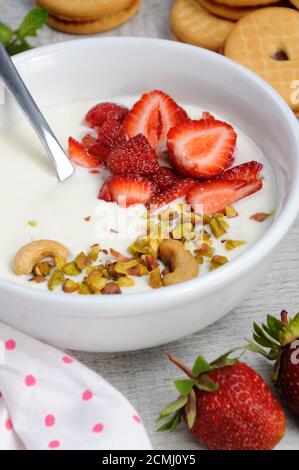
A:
[182,264]
[31,254]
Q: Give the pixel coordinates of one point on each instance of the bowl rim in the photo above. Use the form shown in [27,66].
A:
[155,300]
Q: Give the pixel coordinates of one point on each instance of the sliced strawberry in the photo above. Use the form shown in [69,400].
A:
[208,116]
[153,115]
[202,149]
[215,195]
[135,156]
[127,190]
[176,190]
[111,134]
[249,171]
[102,112]
[80,155]
[164,178]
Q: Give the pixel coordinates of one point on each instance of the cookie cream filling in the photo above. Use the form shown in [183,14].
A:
[36,206]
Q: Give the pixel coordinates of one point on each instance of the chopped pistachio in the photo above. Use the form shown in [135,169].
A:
[38,279]
[59,262]
[218,261]
[122,268]
[70,286]
[169,215]
[261,216]
[206,236]
[139,247]
[230,212]
[217,227]
[125,281]
[71,269]
[42,269]
[139,270]
[205,250]
[206,219]
[96,282]
[82,261]
[153,247]
[151,262]
[112,288]
[56,279]
[119,256]
[94,252]
[155,280]
[232,244]
[32,223]
[84,289]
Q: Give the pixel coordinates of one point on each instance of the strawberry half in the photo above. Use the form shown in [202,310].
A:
[127,191]
[102,112]
[135,156]
[80,155]
[249,171]
[178,189]
[164,178]
[202,149]
[218,194]
[153,115]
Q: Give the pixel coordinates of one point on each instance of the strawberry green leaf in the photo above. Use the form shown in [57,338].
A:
[206,384]
[171,425]
[32,22]
[173,407]
[200,366]
[272,355]
[6,33]
[262,340]
[225,360]
[274,326]
[184,386]
[191,409]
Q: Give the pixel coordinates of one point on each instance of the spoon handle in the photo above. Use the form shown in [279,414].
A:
[19,91]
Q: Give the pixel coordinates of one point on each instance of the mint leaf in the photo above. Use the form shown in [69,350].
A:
[16,48]
[32,22]
[184,386]
[6,33]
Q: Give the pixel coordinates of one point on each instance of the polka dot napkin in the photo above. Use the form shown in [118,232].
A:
[48,400]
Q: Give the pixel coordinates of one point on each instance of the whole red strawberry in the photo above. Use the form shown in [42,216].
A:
[227,406]
[281,340]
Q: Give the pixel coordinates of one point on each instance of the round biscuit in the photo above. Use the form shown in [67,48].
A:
[193,24]
[85,9]
[267,42]
[101,25]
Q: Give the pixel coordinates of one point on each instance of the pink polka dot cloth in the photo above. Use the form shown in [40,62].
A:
[49,400]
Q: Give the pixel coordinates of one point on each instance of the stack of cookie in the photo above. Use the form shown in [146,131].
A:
[89,17]
[263,38]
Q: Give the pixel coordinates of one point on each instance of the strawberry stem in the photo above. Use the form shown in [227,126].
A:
[181,366]
[284,317]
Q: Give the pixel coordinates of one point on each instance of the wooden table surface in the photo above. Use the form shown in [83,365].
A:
[145,377]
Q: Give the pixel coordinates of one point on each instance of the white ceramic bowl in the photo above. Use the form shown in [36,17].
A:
[100,68]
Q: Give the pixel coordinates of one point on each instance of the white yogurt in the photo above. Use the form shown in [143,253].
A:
[31,192]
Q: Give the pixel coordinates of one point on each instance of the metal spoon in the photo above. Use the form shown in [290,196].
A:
[19,91]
